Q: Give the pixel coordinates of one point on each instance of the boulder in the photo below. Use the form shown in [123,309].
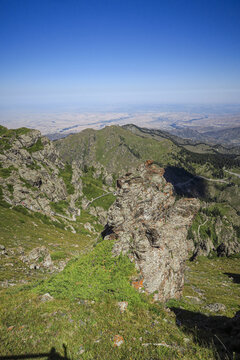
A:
[38,258]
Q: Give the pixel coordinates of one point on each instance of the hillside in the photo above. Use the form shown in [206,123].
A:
[208,176]
[201,145]
[66,291]
[228,136]
[116,148]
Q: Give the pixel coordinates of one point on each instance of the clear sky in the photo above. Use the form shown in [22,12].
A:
[119,51]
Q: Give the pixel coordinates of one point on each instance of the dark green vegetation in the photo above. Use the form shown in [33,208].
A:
[6,172]
[121,148]
[94,188]
[216,221]
[3,203]
[60,207]
[66,174]
[36,147]
[200,145]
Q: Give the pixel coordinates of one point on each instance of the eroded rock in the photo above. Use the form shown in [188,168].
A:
[151,226]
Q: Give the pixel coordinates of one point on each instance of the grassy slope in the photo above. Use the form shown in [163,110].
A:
[87,328]
[114,147]
[95,187]
[29,231]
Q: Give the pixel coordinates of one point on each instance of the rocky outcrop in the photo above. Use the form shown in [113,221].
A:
[31,170]
[151,226]
[219,237]
[100,213]
[38,258]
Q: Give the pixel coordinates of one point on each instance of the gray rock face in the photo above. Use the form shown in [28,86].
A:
[34,179]
[100,213]
[151,226]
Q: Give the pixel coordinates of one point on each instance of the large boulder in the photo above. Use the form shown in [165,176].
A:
[151,226]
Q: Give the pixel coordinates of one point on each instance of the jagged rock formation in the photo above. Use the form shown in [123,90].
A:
[151,226]
[30,172]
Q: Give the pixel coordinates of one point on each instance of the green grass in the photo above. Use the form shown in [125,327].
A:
[66,174]
[27,184]
[36,147]
[105,202]
[13,132]
[93,276]
[92,191]
[213,213]
[58,255]
[116,148]
[10,188]
[21,209]
[6,172]
[93,187]
[33,166]
[209,276]
[3,203]
[23,228]
[87,330]
[84,315]
[60,206]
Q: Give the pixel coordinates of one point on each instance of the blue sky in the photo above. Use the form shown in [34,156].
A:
[119,51]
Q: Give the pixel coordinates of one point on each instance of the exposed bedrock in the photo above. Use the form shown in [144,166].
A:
[151,226]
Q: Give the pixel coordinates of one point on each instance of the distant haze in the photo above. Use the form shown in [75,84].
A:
[68,120]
